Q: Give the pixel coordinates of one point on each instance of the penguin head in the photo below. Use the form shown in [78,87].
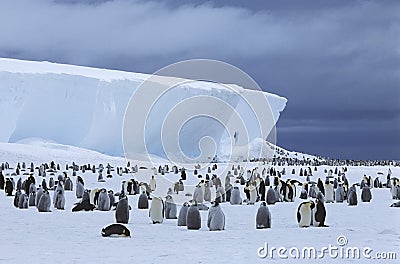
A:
[263,204]
[215,203]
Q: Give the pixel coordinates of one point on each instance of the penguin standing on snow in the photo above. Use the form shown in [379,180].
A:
[59,201]
[156,212]
[44,202]
[170,208]
[261,190]
[263,217]
[352,197]
[193,218]
[183,214]
[253,194]
[319,213]
[104,201]
[216,218]
[143,201]
[198,195]
[235,196]
[271,196]
[339,194]
[207,191]
[329,192]
[79,189]
[9,187]
[304,213]
[366,195]
[23,201]
[122,211]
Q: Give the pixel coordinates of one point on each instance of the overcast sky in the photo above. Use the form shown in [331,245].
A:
[337,62]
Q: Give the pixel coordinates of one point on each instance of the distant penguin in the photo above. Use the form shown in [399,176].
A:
[366,195]
[339,194]
[16,197]
[263,217]
[170,208]
[216,218]
[112,198]
[183,214]
[115,230]
[304,213]
[143,201]
[303,195]
[236,199]
[271,196]
[207,192]
[44,202]
[104,201]
[79,189]
[153,184]
[156,212]
[122,211]
[198,195]
[39,194]
[193,218]
[23,201]
[329,192]
[32,199]
[9,187]
[261,190]
[59,201]
[68,185]
[352,197]
[253,194]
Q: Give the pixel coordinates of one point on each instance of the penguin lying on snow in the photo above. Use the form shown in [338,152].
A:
[115,230]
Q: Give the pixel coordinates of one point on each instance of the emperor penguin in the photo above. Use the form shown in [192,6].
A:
[59,201]
[339,194]
[153,184]
[352,197]
[271,196]
[38,195]
[193,218]
[79,189]
[253,194]
[263,217]
[23,201]
[198,195]
[9,187]
[183,214]
[393,187]
[143,201]
[319,213]
[329,192]
[44,202]
[304,213]
[156,212]
[122,211]
[236,199]
[366,194]
[216,218]
[207,191]
[104,201]
[32,199]
[170,208]
[220,194]
[16,197]
[59,187]
[115,230]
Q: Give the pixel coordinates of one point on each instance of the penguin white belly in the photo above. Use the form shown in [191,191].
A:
[305,216]
[329,196]
[253,196]
[156,211]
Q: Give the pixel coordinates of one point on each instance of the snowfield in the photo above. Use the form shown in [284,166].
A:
[65,237]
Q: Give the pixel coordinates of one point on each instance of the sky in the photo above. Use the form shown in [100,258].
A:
[337,62]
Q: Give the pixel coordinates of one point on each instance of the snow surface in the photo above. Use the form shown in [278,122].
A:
[85,107]
[66,237]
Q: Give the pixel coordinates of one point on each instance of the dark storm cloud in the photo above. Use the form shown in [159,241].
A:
[337,62]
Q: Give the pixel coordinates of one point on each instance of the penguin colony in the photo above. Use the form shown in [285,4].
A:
[265,186]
